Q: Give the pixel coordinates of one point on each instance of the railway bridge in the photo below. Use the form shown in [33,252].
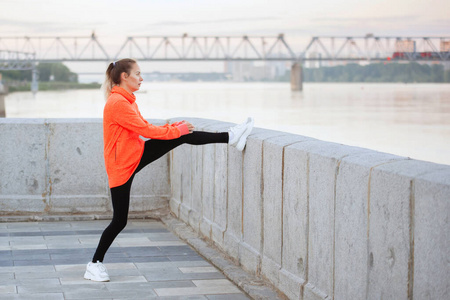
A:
[23,53]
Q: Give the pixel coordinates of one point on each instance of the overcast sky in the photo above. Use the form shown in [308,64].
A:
[297,19]
[292,17]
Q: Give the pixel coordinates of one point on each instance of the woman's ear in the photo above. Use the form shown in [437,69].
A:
[123,76]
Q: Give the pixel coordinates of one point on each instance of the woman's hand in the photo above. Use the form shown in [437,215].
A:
[189,125]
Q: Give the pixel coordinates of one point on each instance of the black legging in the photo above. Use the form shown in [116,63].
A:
[120,195]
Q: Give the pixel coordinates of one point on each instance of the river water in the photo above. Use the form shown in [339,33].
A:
[410,120]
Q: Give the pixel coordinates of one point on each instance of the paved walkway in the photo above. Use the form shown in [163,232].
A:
[47,260]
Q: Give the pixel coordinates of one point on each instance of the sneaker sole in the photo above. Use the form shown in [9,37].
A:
[89,276]
[243,140]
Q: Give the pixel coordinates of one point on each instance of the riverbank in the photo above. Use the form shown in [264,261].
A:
[54,86]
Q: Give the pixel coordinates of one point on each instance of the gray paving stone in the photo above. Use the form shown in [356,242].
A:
[151,285]
[31,281]
[42,275]
[163,237]
[183,276]
[37,262]
[46,296]
[160,265]
[5,276]
[183,298]
[86,291]
[228,297]
[150,259]
[21,269]
[54,268]
[185,258]
[39,288]
[44,256]
[130,293]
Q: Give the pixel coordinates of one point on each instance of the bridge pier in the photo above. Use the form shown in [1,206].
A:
[3,92]
[34,80]
[2,105]
[297,77]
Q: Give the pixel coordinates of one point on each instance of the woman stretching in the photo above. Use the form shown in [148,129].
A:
[126,153]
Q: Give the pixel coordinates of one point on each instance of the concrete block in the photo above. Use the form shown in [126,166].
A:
[205,228]
[217,235]
[324,161]
[351,223]
[249,258]
[153,179]
[197,178]
[231,244]
[218,126]
[194,220]
[141,203]
[270,269]
[80,204]
[24,169]
[180,176]
[185,152]
[174,206]
[220,200]
[391,228]
[253,204]
[273,162]
[208,181]
[295,211]
[16,205]
[185,212]
[175,167]
[290,285]
[75,157]
[201,124]
[234,209]
[431,235]
[311,292]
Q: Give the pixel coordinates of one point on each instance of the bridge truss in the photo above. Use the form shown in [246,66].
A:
[21,53]
[227,48]
[17,60]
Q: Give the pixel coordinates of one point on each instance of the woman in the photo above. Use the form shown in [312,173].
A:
[126,153]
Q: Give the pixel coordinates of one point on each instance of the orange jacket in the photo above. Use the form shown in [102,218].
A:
[122,126]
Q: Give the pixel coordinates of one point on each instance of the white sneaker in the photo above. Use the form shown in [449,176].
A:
[239,134]
[96,272]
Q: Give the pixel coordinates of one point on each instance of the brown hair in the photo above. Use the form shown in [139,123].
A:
[115,69]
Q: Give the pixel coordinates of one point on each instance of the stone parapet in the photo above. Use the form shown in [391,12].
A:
[56,166]
[319,220]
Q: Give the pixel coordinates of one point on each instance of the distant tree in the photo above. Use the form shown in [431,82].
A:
[56,72]
[378,72]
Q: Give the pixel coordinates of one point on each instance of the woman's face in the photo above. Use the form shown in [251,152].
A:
[133,81]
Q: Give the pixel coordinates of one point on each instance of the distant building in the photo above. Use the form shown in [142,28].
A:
[313,64]
[256,70]
[445,46]
[405,46]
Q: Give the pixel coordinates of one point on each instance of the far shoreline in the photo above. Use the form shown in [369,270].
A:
[54,86]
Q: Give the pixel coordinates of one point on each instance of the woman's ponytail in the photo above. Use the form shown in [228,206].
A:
[113,72]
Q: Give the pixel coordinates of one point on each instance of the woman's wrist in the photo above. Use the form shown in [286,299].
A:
[183,128]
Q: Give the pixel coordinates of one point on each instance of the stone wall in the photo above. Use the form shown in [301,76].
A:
[56,166]
[319,220]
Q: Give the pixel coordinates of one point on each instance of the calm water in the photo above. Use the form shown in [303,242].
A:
[405,119]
